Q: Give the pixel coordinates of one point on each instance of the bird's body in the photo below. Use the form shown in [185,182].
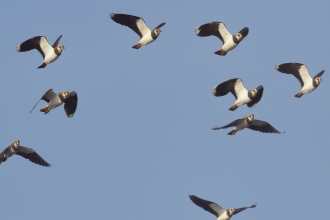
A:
[219,30]
[299,71]
[217,210]
[70,100]
[249,122]
[241,94]
[27,153]
[139,26]
[40,43]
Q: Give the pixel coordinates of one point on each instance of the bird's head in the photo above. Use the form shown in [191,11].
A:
[250,117]
[59,48]
[65,94]
[230,211]
[318,80]
[16,143]
[254,92]
[156,32]
[243,33]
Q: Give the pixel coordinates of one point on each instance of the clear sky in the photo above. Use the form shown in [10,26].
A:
[141,139]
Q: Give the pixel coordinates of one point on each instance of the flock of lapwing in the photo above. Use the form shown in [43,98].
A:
[51,53]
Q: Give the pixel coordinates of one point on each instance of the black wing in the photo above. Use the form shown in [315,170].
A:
[70,104]
[291,68]
[238,210]
[224,88]
[209,206]
[232,124]
[31,155]
[319,74]
[2,156]
[161,25]
[209,29]
[129,21]
[57,41]
[30,44]
[257,98]
[262,126]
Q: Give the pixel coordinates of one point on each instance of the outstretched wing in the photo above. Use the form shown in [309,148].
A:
[31,155]
[209,206]
[232,124]
[238,210]
[224,88]
[57,41]
[216,28]
[135,23]
[262,126]
[297,69]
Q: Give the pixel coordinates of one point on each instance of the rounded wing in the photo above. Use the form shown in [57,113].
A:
[31,155]
[135,23]
[297,69]
[70,104]
[216,28]
[225,87]
[262,126]
[257,98]
[209,206]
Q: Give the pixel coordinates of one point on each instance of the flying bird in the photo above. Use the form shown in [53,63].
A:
[48,53]
[70,100]
[27,153]
[219,30]
[138,25]
[251,123]
[242,96]
[299,71]
[217,210]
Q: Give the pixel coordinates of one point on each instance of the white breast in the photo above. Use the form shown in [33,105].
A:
[146,39]
[55,102]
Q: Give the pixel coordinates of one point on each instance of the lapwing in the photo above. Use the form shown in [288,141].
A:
[138,25]
[217,210]
[251,123]
[70,100]
[243,96]
[27,153]
[49,53]
[300,72]
[219,30]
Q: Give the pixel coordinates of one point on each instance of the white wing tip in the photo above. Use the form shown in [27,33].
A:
[197,30]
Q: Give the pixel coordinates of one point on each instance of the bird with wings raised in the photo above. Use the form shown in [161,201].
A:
[27,153]
[139,26]
[299,71]
[70,100]
[219,30]
[48,53]
[242,96]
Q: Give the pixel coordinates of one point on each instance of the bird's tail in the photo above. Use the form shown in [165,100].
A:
[233,108]
[137,46]
[221,52]
[232,132]
[43,65]
[45,109]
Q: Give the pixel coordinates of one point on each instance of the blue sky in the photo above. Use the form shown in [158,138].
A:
[141,139]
